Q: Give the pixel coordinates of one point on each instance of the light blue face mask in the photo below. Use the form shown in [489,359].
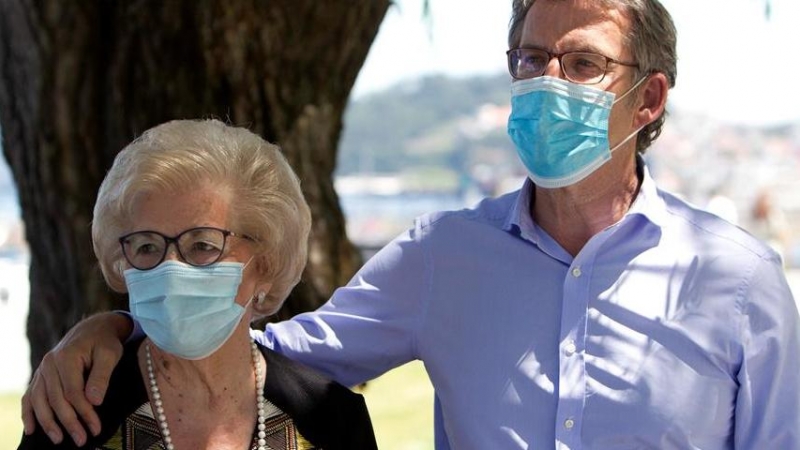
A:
[185,310]
[560,129]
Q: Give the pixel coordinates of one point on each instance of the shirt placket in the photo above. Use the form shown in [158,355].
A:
[572,365]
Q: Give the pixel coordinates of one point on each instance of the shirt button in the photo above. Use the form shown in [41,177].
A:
[570,348]
[576,272]
[569,423]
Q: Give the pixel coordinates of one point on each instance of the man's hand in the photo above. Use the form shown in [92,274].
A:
[94,344]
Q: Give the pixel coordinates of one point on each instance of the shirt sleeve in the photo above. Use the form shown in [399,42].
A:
[767,411]
[369,326]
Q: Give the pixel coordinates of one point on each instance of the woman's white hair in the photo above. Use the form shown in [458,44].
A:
[266,201]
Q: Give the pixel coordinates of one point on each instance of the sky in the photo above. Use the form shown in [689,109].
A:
[734,63]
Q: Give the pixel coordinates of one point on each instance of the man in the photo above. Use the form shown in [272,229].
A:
[587,310]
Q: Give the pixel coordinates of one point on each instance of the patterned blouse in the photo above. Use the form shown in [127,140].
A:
[140,432]
[308,412]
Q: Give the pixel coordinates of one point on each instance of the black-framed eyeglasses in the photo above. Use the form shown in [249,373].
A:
[577,67]
[201,246]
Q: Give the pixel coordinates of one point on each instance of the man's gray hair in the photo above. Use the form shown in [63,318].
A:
[652,41]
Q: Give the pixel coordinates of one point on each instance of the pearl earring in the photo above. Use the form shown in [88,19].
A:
[260,297]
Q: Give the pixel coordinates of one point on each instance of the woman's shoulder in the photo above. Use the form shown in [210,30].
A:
[125,393]
[325,412]
[304,386]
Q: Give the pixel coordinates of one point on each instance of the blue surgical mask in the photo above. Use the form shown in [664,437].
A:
[185,310]
[560,129]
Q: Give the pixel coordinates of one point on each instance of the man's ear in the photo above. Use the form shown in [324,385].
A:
[652,99]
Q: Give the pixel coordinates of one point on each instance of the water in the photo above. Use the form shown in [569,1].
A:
[15,351]
[373,220]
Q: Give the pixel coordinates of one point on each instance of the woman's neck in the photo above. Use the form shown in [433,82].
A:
[228,368]
[208,403]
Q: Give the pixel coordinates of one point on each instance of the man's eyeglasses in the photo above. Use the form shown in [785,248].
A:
[577,67]
[200,246]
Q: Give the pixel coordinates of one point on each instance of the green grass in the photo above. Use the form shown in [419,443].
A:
[401,406]
[10,421]
[400,403]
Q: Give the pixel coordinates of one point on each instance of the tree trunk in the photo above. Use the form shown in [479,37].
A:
[80,79]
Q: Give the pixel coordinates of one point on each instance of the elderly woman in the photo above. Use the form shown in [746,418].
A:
[205,226]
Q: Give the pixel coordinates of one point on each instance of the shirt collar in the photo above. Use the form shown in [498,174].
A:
[519,219]
[648,204]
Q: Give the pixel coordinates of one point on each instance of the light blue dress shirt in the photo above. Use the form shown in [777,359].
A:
[671,329]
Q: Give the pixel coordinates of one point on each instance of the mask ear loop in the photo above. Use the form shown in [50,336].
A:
[258,299]
[628,138]
[635,85]
[636,131]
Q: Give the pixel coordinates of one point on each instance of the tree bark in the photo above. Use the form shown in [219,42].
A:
[83,78]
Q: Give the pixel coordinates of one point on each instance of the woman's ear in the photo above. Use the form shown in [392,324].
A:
[260,298]
[263,304]
[652,99]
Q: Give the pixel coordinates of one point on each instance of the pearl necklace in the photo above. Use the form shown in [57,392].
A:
[260,400]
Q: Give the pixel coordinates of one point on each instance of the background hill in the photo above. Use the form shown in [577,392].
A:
[440,143]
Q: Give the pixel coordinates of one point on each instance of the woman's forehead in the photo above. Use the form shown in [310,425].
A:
[171,212]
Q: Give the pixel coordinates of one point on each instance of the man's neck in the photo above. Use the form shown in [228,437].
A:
[574,214]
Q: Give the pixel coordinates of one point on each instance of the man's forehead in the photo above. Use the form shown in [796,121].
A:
[582,10]
[571,25]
